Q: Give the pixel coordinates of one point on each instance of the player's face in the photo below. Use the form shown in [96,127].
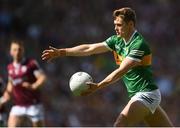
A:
[16,51]
[122,28]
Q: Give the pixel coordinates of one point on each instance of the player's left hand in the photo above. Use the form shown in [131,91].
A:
[92,88]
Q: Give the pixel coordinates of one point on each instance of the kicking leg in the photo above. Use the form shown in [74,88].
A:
[132,114]
[158,119]
[38,124]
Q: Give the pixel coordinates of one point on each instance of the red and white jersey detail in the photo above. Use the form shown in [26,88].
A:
[24,72]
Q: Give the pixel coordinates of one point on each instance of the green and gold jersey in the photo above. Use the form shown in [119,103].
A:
[139,78]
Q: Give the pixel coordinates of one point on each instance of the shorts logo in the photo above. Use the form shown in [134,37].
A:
[148,99]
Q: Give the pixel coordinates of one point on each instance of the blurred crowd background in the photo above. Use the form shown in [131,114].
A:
[66,23]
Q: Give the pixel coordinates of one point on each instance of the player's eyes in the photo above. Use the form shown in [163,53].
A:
[119,25]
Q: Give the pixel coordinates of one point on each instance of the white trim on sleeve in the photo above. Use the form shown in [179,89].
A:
[138,60]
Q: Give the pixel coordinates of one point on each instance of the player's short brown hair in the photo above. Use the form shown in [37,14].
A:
[18,41]
[126,13]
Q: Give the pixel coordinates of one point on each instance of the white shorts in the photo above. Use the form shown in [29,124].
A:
[150,99]
[33,112]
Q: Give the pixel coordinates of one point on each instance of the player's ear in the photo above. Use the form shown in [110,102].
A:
[131,23]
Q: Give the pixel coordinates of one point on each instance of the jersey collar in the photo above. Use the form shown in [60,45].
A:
[17,64]
[130,38]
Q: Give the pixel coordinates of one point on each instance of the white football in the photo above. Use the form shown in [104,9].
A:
[78,81]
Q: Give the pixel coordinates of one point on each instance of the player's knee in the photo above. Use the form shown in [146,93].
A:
[38,124]
[121,121]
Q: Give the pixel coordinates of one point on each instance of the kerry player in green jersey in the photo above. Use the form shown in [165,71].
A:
[134,57]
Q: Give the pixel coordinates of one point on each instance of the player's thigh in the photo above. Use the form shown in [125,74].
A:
[15,121]
[16,116]
[36,114]
[133,113]
[158,119]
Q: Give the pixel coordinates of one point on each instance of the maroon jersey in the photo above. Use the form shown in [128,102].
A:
[24,72]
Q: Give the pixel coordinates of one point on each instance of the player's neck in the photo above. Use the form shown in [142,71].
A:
[19,60]
[129,36]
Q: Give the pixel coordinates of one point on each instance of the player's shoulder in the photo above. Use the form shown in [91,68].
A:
[139,40]
[29,61]
[139,43]
[139,37]
[114,39]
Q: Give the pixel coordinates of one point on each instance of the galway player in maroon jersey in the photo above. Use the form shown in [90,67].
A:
[24,83]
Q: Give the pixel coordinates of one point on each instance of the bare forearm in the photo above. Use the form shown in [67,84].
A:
[5,98]
[40,81]
[7,93]
[81,50]
[87,49]
[111,78]
[119,72]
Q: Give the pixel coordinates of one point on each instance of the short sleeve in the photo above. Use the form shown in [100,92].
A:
[110,43]
[138,50]
[35,67]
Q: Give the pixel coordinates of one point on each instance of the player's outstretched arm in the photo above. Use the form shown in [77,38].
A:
[81,50]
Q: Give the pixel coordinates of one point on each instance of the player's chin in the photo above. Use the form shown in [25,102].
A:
[118,35]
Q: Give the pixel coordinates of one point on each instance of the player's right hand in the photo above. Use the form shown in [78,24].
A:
[52,53]
[92,88]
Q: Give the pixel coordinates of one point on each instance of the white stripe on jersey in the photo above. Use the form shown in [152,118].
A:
[137,52]
[135,59]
